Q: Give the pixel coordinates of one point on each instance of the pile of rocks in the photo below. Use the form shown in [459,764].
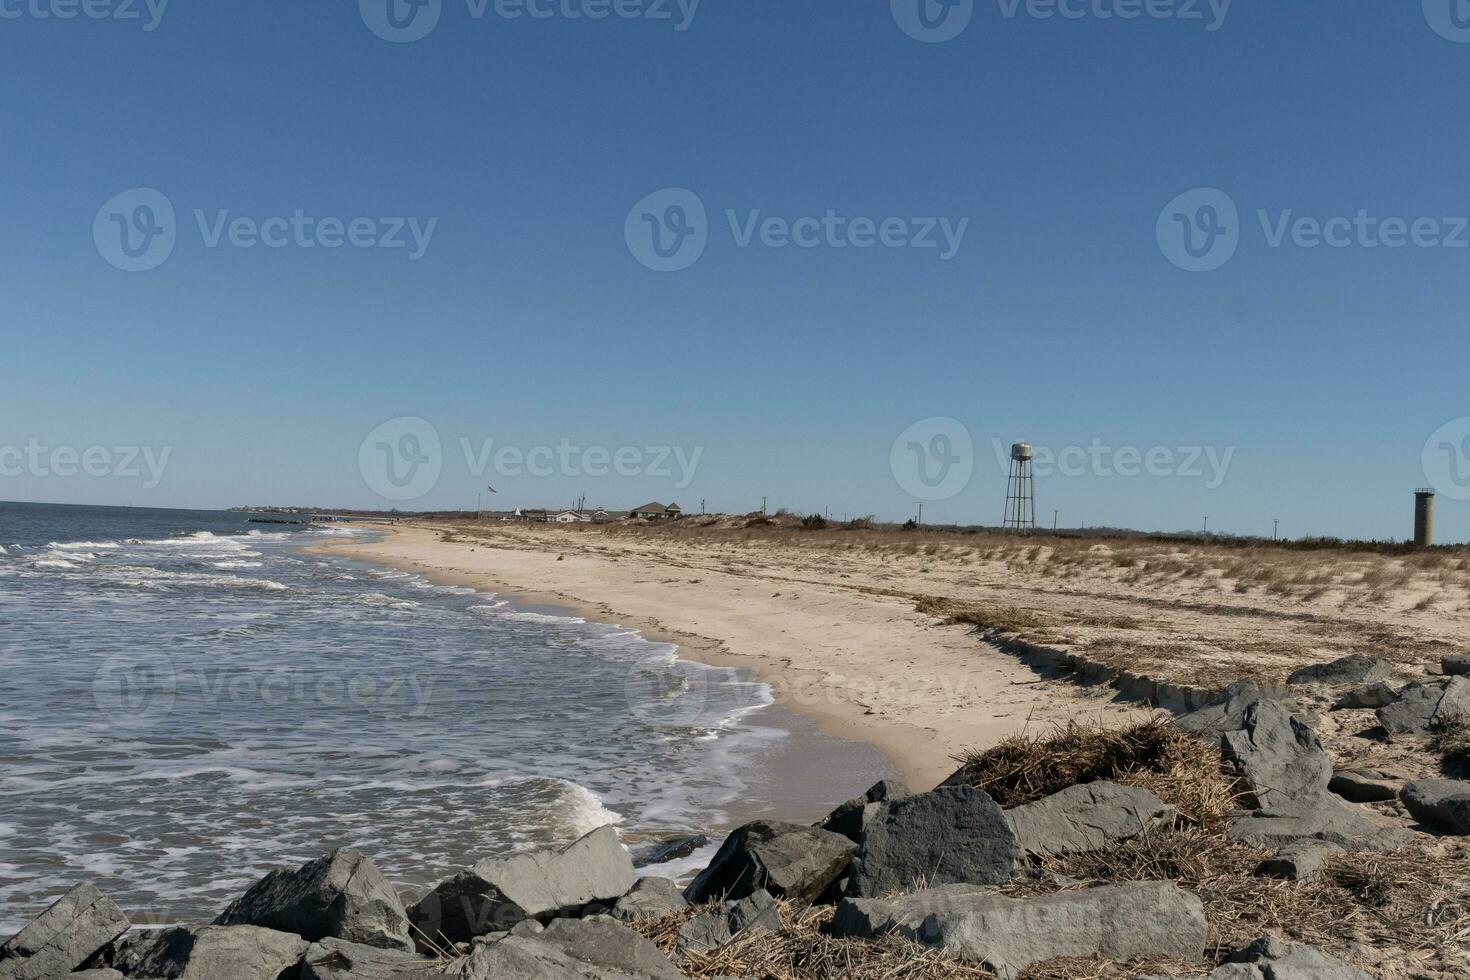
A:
[922,866]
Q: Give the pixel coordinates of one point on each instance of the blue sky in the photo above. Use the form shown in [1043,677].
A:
[529,320]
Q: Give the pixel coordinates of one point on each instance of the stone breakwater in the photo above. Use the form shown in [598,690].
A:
[928,868]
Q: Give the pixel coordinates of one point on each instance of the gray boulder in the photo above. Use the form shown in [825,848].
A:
[650,898]
[1366,785]
[757,913]
[1227,712]
[786,859]
[1086,817]
[1356,669]
[1272,959]
[335,959]
[1440,803]
[588,875]
[1301,861]
[340,896]
[952,834]
[101,973]
[1277,754]
[1125,921]
[74,928]
[596,948]
[1456,666]
[1375,695]
[851,818]
[1328,820]
[669,850]
[211,953]
[1425,704]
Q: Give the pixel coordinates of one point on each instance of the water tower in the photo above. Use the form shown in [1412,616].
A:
[1021,489]
[1424,517]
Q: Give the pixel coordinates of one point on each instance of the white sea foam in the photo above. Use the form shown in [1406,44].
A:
[84,545]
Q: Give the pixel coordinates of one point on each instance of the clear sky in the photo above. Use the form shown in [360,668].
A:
[1057,308]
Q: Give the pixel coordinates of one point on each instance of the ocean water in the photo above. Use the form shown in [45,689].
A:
[188,700]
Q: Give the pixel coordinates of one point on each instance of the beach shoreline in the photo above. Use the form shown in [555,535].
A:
[859,667]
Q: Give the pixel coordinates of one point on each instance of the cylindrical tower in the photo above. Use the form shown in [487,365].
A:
[1424,517]
[1021,489]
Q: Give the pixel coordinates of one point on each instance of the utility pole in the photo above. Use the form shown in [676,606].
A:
[1054,515]
[920,520]
[1275,528]
[1207,524]
[763,506]
[701,506]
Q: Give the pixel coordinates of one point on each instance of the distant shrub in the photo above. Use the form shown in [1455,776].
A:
[814,522]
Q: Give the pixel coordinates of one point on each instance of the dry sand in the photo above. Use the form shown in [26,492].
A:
[865,667]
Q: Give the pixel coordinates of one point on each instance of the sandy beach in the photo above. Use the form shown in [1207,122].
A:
[866,667]
[879,637]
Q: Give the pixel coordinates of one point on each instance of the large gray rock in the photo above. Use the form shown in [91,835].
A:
[340,896]
[1278,755]
[1125,921]
[495,894]
[1440,803]
[1457,665]
[1426,704]
[101,973]
[650,898]
[1356,669]
[62,938]
[1272,959]
[1375,695]
[1328,819]
[786,859]
[1227,712]
[211,953]
[1366,785]
[1086,817]
[952,834]
[334,959]
[851,818]
[596,948]
[756,914]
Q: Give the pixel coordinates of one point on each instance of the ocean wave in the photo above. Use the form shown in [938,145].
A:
[238,564]
[84,545]
[518,616]
[385,601]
